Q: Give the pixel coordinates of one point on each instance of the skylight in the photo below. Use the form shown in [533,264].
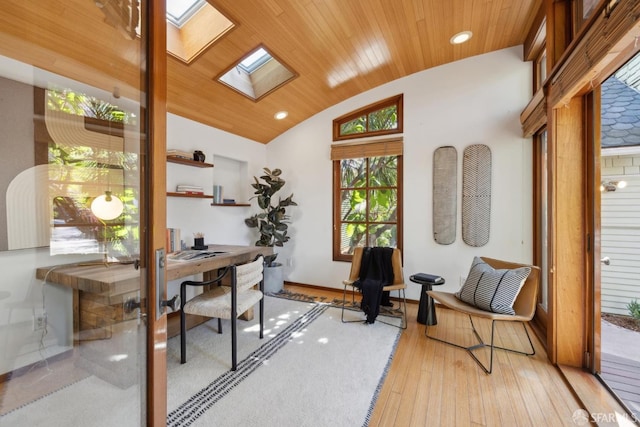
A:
[257,74]
[179,11]
[255,60]
[192,27]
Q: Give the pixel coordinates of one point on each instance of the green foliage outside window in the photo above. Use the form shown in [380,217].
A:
[634,309]
[385,118]
[81,104]
[369,202]
[123,233]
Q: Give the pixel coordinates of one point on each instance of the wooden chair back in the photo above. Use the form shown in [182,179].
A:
[396,259]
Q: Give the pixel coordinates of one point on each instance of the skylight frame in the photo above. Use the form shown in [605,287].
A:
[261,77]
[187,14]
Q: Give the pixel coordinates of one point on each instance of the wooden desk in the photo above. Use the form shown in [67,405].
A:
[99,291]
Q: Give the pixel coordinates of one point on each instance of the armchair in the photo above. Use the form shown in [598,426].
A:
[524,306]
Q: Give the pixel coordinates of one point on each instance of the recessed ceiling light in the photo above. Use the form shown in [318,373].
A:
[461,37]
[280,115]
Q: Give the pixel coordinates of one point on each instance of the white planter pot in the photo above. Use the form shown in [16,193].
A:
[273,281]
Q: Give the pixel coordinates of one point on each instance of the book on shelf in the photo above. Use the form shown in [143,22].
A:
[229,201]
[198,193]
[189,189]
[174,244]
[190,255]
[172,152]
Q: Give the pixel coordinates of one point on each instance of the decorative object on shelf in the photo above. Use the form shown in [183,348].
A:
[445,184]
[476,195]
[198,156]
[198,241]
[217,194]
[272,223]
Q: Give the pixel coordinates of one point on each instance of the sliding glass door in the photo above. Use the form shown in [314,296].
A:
[73,297]
[617,262]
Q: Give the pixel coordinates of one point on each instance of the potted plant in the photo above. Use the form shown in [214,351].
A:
[272,223]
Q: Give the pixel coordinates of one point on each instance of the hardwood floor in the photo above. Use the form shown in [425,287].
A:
[431,383]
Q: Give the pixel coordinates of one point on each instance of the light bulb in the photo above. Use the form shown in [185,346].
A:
[107,206]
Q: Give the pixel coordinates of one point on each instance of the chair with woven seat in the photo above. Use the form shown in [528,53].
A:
[225,301]
[523,308]
[397,285]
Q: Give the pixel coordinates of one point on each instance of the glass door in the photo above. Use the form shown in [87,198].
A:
[73,324]
[617,289]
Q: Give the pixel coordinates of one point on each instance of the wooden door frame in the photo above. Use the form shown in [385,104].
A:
[592,255]
[156,201]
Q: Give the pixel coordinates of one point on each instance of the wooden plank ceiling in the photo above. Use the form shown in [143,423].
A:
[338,48]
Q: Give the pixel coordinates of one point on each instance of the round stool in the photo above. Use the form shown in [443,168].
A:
[426,307]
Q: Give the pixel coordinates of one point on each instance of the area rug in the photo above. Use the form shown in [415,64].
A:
[309,370]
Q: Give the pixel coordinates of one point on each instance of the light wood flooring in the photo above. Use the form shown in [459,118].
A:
[434,384]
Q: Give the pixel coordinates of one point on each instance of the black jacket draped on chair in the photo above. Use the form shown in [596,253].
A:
[376,271]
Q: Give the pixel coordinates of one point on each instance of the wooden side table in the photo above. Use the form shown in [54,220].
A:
[426,307]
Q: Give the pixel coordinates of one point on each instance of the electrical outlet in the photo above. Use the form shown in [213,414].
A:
[39,320]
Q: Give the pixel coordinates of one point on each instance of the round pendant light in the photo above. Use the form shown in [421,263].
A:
[107,206]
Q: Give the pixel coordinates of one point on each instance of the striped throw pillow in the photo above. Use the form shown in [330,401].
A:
[492,290]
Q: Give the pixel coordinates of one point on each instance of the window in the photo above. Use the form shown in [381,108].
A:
[367,192]
[85,139]
[381,118]
[582,11]
[540,70]
[542,214]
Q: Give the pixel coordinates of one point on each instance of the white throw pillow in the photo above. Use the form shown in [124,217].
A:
[490,289]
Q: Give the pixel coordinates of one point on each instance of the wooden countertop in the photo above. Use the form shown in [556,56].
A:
[119,278]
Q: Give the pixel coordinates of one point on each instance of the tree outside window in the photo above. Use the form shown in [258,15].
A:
[367,179]
[369,197]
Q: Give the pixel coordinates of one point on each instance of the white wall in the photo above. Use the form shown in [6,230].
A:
[477,100]
[20,294]
[220,224]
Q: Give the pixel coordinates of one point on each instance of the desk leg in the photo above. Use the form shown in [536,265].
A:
[75,301]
